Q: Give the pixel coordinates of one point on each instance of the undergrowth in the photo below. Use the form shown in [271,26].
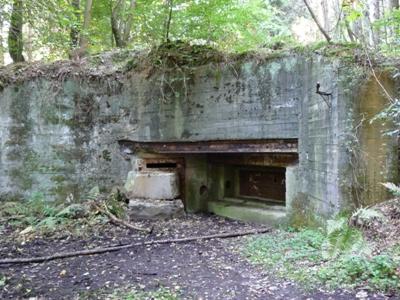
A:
[37,214]
[335,257]
[131,294]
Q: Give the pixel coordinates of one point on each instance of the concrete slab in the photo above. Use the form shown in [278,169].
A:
[148,209]
[152,185]
[237,211]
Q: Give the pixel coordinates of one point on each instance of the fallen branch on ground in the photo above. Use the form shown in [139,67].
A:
[117,248]
[118,221]
[7,219]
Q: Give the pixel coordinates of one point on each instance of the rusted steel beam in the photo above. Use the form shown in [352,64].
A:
[259,159]
[226,146]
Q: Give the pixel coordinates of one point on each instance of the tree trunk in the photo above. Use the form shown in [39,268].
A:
[121,28]
[394,29]
[325,34]
[325,14]
[168,22]
[394,4]
[115,27]
[83,39]
[15,38]
[74,33]
[376,15]
[1,38]
[129,21]
[350,32]
[29,45]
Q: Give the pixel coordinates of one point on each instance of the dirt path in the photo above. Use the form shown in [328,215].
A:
[212,269]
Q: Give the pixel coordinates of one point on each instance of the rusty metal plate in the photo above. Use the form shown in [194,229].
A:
[252,159]
[267,184]
[226,146]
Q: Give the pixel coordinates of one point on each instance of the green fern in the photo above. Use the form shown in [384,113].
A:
[341,238]
[394,189]
[93,194]
[365,217]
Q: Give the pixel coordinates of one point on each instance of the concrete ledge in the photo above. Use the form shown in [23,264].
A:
[152,185]
[274,216]
[149,209]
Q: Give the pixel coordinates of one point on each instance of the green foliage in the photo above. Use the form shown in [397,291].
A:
[115,206]
[366,217]
[287,253]
[3,280]
[183,54]
[390,113]
[394,189]
[161,294]
[342,238]
[379,272]
[131,294]
[72,211]
[389,24]
[93,194]
[302,256]
[231,25]
[38,213]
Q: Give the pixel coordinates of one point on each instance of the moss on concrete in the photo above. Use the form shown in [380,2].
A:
[302,213]
[378,151]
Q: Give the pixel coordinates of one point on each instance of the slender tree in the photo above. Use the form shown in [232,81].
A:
[74,32]
[29,44]
[121,27]
[394,4]
[1,37]
[83,38]
[15,38]
[170,4]
[320,27]
[325,14]
[376,15]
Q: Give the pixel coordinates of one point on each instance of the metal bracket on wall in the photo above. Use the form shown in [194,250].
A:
[326,96]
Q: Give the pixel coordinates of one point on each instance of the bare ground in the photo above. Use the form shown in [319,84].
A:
[213,269]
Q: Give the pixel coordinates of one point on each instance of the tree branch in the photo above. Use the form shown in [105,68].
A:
[118,221]
[129,21]
[168,24]
[127,246]
[326,35]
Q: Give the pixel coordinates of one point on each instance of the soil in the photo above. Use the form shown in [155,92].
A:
[213,269]
[382,231]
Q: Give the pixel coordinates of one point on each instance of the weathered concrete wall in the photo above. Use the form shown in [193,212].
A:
[60,138]
[377,161]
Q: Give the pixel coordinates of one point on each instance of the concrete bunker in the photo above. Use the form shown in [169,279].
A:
[224,136]
[241,179]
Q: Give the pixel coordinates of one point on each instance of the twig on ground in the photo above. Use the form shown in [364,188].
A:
[118,221]
[16,217]
[117,248]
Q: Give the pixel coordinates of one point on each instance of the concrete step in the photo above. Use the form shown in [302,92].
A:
[251,203]
[262,214]
[150,209]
